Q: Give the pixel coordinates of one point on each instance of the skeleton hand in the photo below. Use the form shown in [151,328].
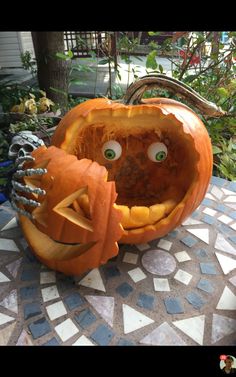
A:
[18,186]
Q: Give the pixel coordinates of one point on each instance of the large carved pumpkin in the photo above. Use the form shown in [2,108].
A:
[117,172]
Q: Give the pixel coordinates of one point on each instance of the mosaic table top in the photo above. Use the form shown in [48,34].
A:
[178,290]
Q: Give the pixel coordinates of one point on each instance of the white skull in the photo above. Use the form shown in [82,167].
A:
[23,143]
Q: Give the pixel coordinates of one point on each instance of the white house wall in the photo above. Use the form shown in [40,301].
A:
[12,44]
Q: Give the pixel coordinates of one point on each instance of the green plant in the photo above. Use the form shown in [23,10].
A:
[28,62]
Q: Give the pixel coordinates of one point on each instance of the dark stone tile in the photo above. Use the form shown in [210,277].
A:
[201,253]
[102,335]
[85,318]
[125,342]
[233,239]
[52,342]
[110,271]
[217,181]
[64,283]
[31,310]
[205,285]
[73,300]
[222,208]
[30,257]
[208,202]
[173,305]
[233,215]
[189,241]
[29,292]
[124,289]
[145,301]
[195,214]
[195,300]
[208,268]
[232,186]
[28,275]
[224,228]
[208,219]
[39,328]
[173,234]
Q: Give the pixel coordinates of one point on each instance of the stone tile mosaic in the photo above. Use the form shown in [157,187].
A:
[93,280]
[158,262]
[146,301]
[6,333]
[227,300]
[85,318]
[10,301]
[163,335]
[104,306]
[141,296]
[193,327]
[137,274]
[183,276]
[102,335]
[124,289]
[221,327]
[83,341]
[66,329]
[133,319]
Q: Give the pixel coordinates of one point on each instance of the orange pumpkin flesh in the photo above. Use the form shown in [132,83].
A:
[154,197]
[63,236]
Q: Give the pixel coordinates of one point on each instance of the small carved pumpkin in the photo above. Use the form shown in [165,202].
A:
[156,154]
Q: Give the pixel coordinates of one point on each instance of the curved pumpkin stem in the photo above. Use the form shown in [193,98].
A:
[136,90]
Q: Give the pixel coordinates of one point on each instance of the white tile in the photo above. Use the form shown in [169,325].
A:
[223,245]
[182,256]
[143,246]
[12,224]
[66,329]
[225,219]
[227,300]
[56,310]
[3,278]
[191,221]
[231,205]
[164,244]
[83,341]
[161,285]
[93,280]
[134,320]
[209,196]
[183,276]
[201,233]
[230,199]
[130,258]
[136,274]
[228,192]
[5,318]
[47,277]
[10,301]
[13,267]
[24,339]
[209,211]
[163,335]
[104,306]
[9,245]
[217,192]
[233,280]
[6,333]
[50,293]
[222,326]
[193,327]
[227,264]
[233,226]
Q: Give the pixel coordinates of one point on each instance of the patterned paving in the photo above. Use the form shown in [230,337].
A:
[179,290]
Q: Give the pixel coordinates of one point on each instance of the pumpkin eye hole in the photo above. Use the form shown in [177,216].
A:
[157,152]
[111,150]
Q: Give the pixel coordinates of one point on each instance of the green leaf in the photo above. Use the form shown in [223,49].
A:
[216,149]
[58,91]
[151,60]
[154,33]
[103,61]
[161,69]
[70,54]
[62,56]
